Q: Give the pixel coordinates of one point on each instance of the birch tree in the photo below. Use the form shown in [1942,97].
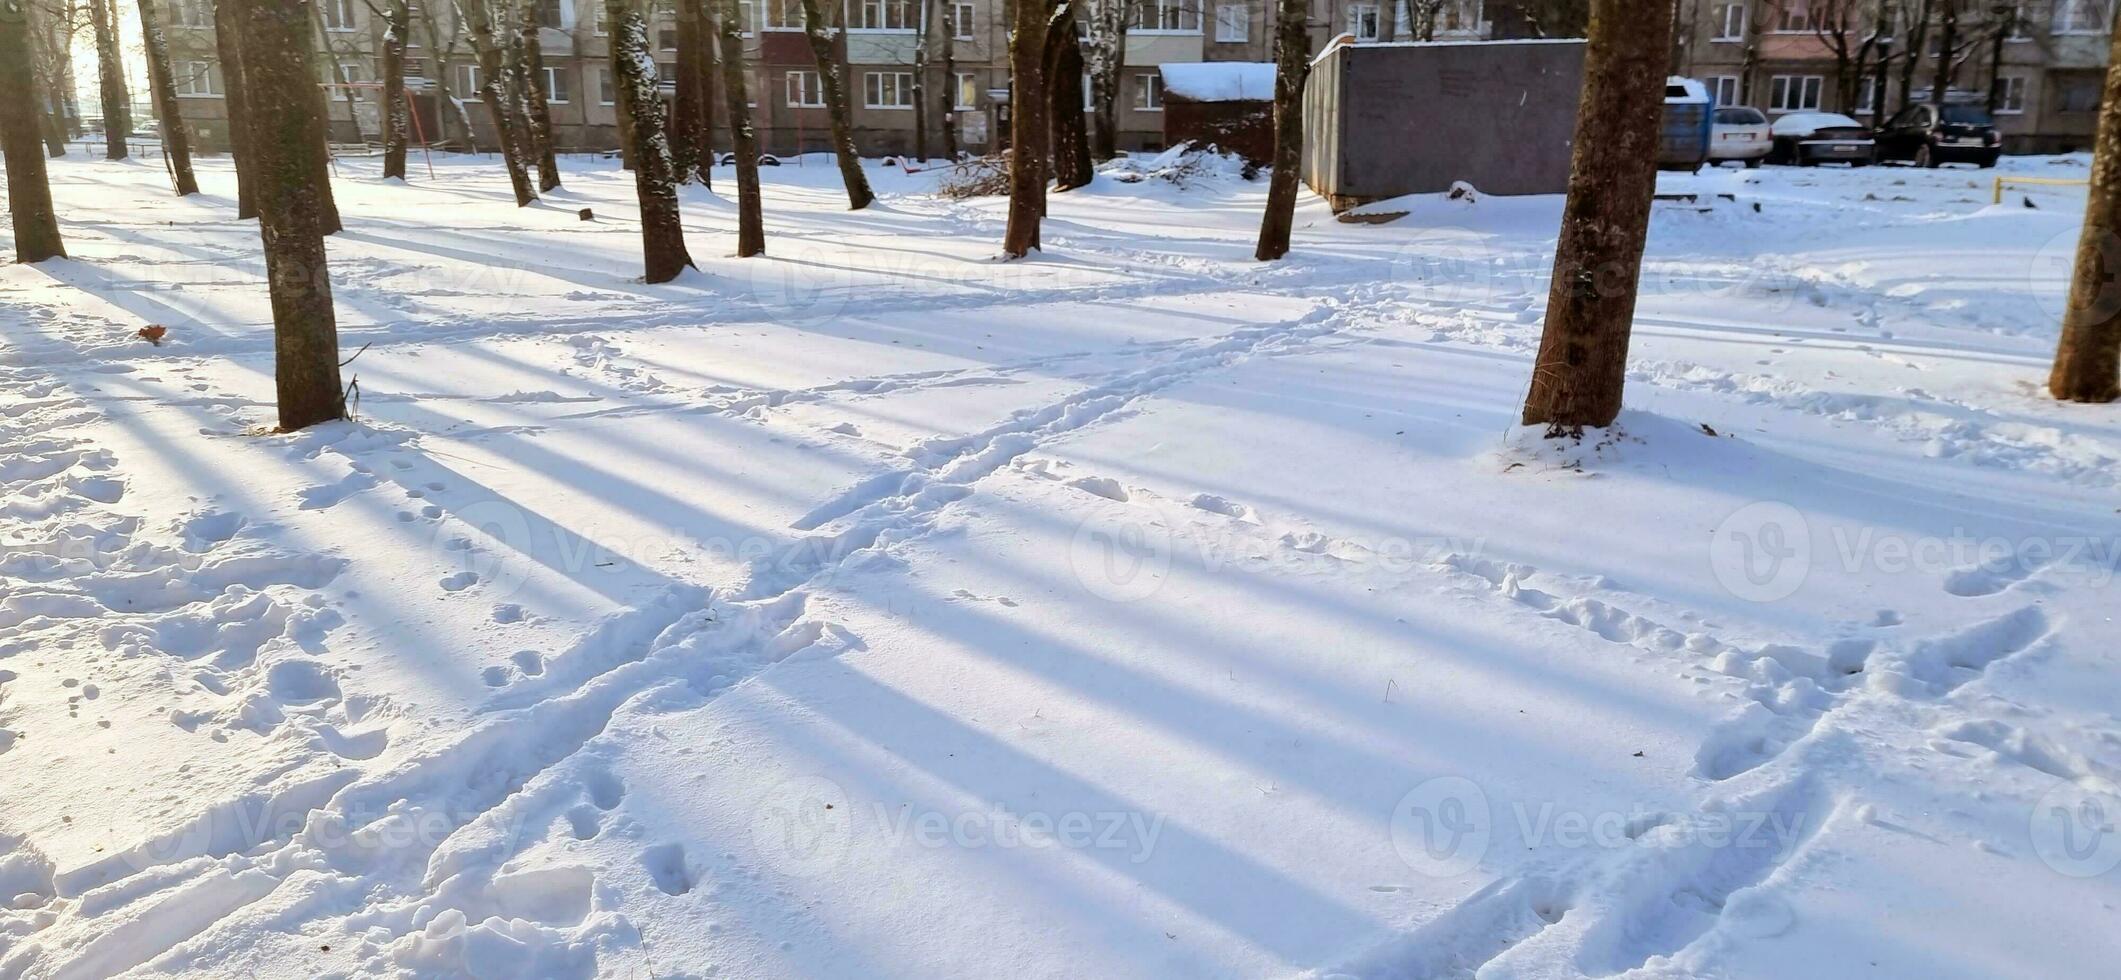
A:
[663,250]
[286,129]
[2088,359]
[750,221]
[1583,350]
[834,89]
[29,194]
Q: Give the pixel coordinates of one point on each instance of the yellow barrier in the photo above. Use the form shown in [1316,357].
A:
[2050,181]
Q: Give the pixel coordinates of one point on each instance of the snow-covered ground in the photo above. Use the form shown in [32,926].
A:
[876,609]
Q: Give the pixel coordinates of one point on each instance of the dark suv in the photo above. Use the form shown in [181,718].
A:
[1928,135]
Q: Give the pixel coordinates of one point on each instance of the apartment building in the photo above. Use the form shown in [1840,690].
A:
[883,37]
[2044,61]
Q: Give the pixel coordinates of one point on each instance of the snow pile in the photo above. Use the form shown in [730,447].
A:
[1186,166]
[1219,81]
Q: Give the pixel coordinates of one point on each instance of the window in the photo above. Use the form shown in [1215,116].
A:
[1866,89]
[666,40]
[1794,93]
[1362,21]
[413,68]
[1168,16]
[2080,16]
[805,90]
[1730,23]
[885,15]
[338,15]
[2079,94]
[784,15]
[350,74]
[556,14]
[961,21]
[967,91]
[1089,100]
[191,13]
[600,24]
[1149,93]
[1797,17]
[467,78]
[1232,23]
[889,89]
[1725,89]
[196,79]
[605,91]
[556,89]
[2010,94]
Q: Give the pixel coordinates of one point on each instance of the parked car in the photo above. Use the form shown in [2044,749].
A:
[1740,133]
[1930,135]
[1811,138]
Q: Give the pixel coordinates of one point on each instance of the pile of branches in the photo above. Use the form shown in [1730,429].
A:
[986,176]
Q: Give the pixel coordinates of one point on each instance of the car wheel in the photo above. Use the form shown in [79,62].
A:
[1926,159]
[1988,161]
[1752,163]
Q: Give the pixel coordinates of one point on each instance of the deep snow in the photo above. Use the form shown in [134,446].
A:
[873,608]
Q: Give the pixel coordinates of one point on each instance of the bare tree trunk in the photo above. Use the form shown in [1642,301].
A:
[227,42]
[1108,56]
[692,124]
[29,194]
[1941,81]
[1583,352]
[117,103]
[949,104]
[1027,128]
[662,233]
[834,84]
[1917,32]
[319,153]
[45,81]
[445,56]
[1064,79]
[285,131]
[750,220]
[920,83]
[176,139]
[1292,59]
[514,148]
[396,128]
[2088,360]
[538,112]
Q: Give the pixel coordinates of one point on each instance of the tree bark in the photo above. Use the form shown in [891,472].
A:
[227,42]
[655,182]
[286,131]
[2088,360]
[396,128]
[834,84]
[920,82]
[176,140]
[1292,59]
[1941,81]
[949,104]
[29,194]
[1064,79]
[692,124]
[1108,54]
[445,58]
[319,154]
[538,111]
[1583,351]
[515,153]
[1027,128]
[750,220]
[110,66]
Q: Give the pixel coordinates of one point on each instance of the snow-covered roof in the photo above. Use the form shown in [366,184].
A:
[1219,81]
[1695,91]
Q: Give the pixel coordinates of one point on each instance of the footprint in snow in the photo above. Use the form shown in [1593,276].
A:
[459,581]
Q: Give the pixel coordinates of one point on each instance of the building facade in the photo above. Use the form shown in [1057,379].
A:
[2039,65]
[883,37]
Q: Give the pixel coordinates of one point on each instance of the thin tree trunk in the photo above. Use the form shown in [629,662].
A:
[1583,352]
[1292,49]
[1064,79]
[227,42]
[538,111]
[285,132]
[949,104]
[1108,33]
[29,194]
[750,219]
[176,139]
[692,124]
[52,114]
[2088,360]
[396,128]
[834,84]
[445,58]
[514,153]
[319,153]
[662,232]
[920,82]
[110,66]
[1027,128]
[1941,81]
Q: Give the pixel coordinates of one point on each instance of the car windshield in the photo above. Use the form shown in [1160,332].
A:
[1805,123]
[1966,115]
[1740,116]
